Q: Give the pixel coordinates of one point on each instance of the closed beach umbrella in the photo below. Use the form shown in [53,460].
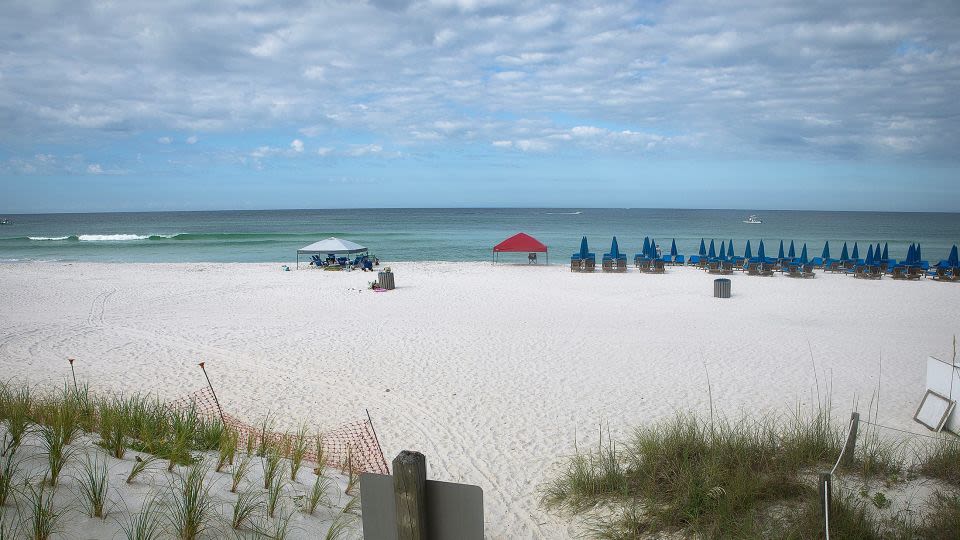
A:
[826,250]
[917,254]
[723,251]
[730,249]
[653,248]
[673,247]
[876,252]
[792,253]
[713,252]
[646,246]
[886,253]
[584,250]
[856,252]
[761,254]
[780,252]
[747,252]
[703,248]
[869,260]
[614,249]
[911,254]
[953,259]
[843,253]
[803,255]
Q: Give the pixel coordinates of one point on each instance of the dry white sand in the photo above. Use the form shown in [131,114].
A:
[491,371]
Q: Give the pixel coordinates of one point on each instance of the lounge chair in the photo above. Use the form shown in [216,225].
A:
[713,267]
[703,263]
[655,266]
[816,262]
[678,260]
[589,265]
[606,265]
[915,272]
[643,263]
[576,265]
[899,272]
[831,265]
[793,270]
[694,259]
[807,271]
[943,273]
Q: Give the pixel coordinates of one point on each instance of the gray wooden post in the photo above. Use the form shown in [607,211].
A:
[410,494]
[850,448]
[825,502]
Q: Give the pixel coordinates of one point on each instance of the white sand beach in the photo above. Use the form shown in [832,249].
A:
[491,371]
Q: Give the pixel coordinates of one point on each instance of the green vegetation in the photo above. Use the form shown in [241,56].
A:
[189,509]
[93,486]
[722,479]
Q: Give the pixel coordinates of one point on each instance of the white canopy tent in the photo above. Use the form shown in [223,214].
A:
[332,245]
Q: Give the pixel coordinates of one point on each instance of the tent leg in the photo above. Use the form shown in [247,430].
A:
[298,261]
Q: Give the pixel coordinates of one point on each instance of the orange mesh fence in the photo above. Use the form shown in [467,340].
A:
[352,445]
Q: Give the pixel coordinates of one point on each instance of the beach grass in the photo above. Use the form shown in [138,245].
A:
[240,471]
[45,520]
[941,459]
[248,503]
[146,524]
[298,450]
[140,464]
[275,491]
[93,485]
[190,510]
[317,495]
[9,469]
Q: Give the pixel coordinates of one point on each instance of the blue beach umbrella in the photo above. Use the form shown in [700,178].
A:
[843,253]
[917,254]
[703,248]
[761,254]
[723,251]
[614,249]
[886,253]
[730,249]
[646,246]
[953,259]
[584,250]
[747,252]
[856,252]
[803,255]
[792,253]
[826,250]
[713,252]
[911,254]
[869,260]
[876,252]
[780,252]
[653,249]
[673,247]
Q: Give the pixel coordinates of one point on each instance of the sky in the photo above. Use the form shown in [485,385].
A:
[128,106]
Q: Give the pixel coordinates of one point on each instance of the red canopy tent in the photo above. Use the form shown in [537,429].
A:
[520,243]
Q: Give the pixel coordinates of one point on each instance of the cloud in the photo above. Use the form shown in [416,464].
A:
[164,140]
[94,168]
[297,146]
[784,79]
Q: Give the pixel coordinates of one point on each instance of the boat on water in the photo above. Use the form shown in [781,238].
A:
[5,221]
[753,220]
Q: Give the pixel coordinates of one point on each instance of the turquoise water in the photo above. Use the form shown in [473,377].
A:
[449,234]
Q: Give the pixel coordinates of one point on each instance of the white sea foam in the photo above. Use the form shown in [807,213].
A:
[48,237]
[110,237]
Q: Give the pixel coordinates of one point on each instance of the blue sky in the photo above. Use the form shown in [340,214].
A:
[156,106]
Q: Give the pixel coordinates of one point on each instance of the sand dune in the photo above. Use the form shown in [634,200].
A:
[491,371]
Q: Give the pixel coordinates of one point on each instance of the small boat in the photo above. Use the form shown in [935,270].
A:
[753,220]
[5,221]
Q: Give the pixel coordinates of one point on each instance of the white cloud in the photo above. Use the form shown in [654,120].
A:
[297,146]
[94,168]
[364,150]
[164,140]
[502,144]
[192,139]
[324,151]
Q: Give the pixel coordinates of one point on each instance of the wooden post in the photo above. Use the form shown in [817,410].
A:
[825,502]
[850,447]
[410,494]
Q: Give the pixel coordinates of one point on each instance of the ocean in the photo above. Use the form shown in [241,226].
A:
[461,234]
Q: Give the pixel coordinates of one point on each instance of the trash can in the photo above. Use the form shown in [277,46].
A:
[721,288]
[385,280]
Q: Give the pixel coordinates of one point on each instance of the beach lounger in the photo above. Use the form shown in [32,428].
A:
[703,263]
[589,265]
[793,270]
[807,271]
[655,266]
[816,262]
[713,267]
[943,273]
[899,272]
[916,272]
[678,260]
[576,265]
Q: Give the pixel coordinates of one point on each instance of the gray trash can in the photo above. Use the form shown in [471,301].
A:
[385,280]
[721,288]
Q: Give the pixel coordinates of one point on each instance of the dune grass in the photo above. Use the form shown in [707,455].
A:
[145,524]
[240,471]
[298,449]
[93,485]
[248,503]
[190,511]
[45,520]
[9,468]
[941,459]
[317,495]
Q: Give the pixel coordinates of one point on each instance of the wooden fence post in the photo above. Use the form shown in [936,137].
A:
[825,502]
[410,494]
[850,448]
